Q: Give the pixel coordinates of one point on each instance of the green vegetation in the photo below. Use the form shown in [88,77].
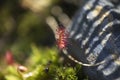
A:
[42,64]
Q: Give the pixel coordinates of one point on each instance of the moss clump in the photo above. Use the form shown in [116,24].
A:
[43,64]
[54,73]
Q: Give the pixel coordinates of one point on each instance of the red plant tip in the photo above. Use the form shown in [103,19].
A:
[62,37]
[9,58]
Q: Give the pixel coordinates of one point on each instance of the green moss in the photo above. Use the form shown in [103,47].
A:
[66,73]
[42,56]
[54,73]
[44,64]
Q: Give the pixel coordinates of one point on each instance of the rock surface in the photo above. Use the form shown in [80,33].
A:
[95,37]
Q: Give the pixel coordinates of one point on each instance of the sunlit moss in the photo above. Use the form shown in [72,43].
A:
[43,64]
[42,55]
[54,73]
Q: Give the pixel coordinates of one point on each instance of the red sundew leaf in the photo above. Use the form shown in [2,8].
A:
[9,58]
[62,37]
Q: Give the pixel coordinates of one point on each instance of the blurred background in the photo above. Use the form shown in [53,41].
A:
[27,29]
[26,22]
